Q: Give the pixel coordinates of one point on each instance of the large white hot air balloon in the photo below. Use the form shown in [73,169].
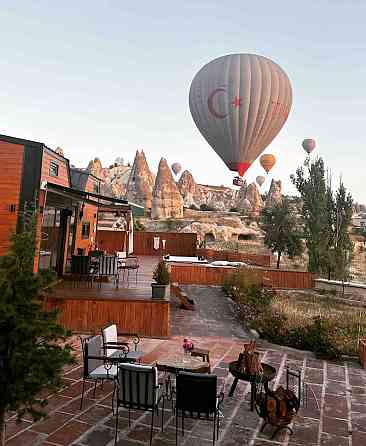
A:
[176,168]
[239,103]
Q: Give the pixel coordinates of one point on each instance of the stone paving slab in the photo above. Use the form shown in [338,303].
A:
[334,416]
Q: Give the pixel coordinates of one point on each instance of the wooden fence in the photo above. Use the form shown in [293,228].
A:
[205,275]
[147,318]
[231,256]
[177,243]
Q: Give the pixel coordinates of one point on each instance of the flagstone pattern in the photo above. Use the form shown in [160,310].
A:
[340,390]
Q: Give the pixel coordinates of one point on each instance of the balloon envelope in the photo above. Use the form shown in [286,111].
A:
[267,161]
[176,168]
[308,145]
[239,103]
[260,180]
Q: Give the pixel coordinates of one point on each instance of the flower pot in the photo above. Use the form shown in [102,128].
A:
[159,291]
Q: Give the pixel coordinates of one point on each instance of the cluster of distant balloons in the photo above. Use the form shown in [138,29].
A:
[239,103]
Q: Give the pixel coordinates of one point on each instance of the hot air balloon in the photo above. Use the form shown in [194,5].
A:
[260,180]
[176,168]
[308,145]
[239,103]
[267,161]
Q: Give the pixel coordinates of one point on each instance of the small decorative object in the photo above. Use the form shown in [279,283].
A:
[162,280]
[249,362]
[187,346]
[166,257]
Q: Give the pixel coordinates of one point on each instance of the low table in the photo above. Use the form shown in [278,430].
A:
[268,375]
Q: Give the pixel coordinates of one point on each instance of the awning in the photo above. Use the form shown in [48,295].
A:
[104,203]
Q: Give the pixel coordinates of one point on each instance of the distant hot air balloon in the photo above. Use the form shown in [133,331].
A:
[260,180]
[267,161]
[176,168]
[239,103]
[308,145]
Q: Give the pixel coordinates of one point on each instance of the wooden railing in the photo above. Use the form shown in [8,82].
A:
[205,275]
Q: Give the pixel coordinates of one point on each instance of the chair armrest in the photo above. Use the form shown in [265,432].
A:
[123,346]
[135,338]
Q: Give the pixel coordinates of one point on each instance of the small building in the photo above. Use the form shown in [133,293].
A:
[66,202]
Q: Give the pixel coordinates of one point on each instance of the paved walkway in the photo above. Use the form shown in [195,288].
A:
[340,390]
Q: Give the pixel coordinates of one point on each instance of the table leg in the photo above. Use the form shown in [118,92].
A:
[233,387]
[253,393]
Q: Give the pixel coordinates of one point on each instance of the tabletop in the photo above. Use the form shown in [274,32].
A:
[188,364]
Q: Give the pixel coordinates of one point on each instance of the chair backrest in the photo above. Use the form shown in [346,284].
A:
[196,392]
[80,264]
[121,254]
[108,266]
[109,334]
[138,386]
[95,253]
[132,262]
[92,347]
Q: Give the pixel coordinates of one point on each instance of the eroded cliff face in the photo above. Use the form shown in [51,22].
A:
[140,182]
[167,202]
[274,193]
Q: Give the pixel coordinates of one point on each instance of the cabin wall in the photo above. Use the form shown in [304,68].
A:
[11,161]
[89,216]
[63,177]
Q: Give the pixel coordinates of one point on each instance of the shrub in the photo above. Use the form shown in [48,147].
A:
[161,274]
[138,226]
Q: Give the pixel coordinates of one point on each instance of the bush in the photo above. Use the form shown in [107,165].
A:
[161,274]
[138,226]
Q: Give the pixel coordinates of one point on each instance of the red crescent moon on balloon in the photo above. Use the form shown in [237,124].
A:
[210,103]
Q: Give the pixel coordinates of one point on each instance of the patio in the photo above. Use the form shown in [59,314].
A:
[340,389]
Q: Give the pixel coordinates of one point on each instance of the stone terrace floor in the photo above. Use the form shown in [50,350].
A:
[339,388]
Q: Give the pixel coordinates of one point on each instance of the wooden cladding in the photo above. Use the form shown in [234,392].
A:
[256,259]
[177,243]
[111,241]
[11,160]
[49,160]
[205,275]
[145,317]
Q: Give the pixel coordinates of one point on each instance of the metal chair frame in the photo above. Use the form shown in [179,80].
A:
[133,378]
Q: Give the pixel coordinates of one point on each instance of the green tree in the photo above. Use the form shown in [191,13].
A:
[33,348]
[281,228]
[314,192]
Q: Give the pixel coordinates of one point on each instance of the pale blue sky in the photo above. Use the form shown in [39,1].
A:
[106,78]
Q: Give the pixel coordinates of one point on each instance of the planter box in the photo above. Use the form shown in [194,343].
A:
[362,352]
[160,291]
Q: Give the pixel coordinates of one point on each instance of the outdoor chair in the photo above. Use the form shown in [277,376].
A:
[138,389]
[197,397]
[112,346]
[97,367]
[82,269]
[108,267]
[129,264]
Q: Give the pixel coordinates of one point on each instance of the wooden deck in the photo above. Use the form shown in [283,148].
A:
[88,309]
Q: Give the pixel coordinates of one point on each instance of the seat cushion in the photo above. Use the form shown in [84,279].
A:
[101,372]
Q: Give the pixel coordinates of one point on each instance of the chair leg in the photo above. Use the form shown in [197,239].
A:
[214,428]
[162,416]
[116,430]
[152,426]
[176,426]
[82,395]
[183,423]
[129,417]
[218,426]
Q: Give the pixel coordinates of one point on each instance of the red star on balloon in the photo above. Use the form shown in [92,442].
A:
[237,101]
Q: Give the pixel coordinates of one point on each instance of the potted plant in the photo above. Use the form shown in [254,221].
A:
[162,280]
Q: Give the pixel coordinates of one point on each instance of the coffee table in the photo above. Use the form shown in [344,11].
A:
[188,364]
[268,375]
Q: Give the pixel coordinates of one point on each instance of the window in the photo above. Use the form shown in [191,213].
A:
[85,230]
[95,188]
[53,169]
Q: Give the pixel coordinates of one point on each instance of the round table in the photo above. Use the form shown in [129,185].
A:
[268,375]
[188,364]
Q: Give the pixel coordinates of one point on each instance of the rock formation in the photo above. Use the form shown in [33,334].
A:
[274,193]
[140,182]
[188,189]
[249,199]
[167,201]
[95,167]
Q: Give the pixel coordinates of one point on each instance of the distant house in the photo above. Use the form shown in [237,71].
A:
[66,201]
[359,220]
